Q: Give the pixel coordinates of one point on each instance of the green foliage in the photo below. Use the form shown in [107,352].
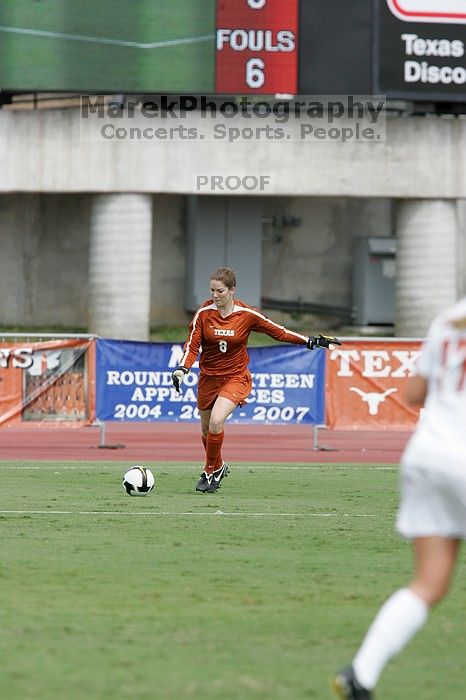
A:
[169,334]
[261,590]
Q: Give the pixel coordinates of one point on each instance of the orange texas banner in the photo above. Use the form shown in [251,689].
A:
[365,384]
[48,382]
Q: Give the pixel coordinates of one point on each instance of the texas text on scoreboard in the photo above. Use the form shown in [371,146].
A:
[420,49]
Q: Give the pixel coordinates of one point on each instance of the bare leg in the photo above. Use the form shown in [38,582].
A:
[435,559]
[214,418]
[222,409]
[406,611]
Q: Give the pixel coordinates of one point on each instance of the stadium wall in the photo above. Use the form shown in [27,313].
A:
[419,167]
[44,268]
[47,151]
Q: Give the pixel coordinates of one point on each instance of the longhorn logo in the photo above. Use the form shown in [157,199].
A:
[373,398]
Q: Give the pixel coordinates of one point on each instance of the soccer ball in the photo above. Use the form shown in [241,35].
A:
[138,481]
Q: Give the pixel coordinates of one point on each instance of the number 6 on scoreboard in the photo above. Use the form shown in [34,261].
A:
[255,76]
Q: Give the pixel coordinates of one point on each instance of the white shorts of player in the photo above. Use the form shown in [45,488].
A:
[432,503]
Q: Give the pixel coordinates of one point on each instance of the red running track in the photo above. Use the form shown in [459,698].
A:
[142,443]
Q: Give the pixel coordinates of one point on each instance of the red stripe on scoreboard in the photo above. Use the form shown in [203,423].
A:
[257,47]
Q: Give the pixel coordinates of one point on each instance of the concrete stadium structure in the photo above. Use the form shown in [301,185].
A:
[93,231]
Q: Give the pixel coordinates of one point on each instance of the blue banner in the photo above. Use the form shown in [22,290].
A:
[133,383]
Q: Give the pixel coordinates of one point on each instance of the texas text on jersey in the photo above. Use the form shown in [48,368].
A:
[222,342]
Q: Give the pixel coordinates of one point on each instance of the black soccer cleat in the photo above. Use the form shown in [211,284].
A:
[209,483]
[346,687]
[204,482]
[217,477]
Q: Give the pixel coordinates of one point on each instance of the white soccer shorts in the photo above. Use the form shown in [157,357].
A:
[432,503]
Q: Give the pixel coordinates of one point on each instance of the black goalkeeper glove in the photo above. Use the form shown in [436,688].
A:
[177,377]
[322,341]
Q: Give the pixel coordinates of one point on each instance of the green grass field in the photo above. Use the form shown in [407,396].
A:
[259,591]
[107,45]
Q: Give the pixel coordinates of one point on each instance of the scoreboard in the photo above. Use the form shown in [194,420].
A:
[446,11]
[150,46]
[412,49]
[420,49]
[256,47]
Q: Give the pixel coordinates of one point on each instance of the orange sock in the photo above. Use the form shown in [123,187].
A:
[204,442]
[213,452]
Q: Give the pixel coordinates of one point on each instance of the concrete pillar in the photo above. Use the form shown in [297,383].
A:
[461,247]
[120,266]
[427,233]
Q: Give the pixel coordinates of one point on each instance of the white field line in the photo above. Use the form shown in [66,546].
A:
[104,40]
[106,465]
[185,514]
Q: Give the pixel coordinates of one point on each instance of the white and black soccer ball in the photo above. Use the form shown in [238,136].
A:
[138,481]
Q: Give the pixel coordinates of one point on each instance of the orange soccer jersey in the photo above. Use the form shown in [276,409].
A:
[222,342]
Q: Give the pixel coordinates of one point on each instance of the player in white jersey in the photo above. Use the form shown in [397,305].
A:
[433,502]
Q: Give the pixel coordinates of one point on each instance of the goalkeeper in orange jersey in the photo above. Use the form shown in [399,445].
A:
[219,331]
